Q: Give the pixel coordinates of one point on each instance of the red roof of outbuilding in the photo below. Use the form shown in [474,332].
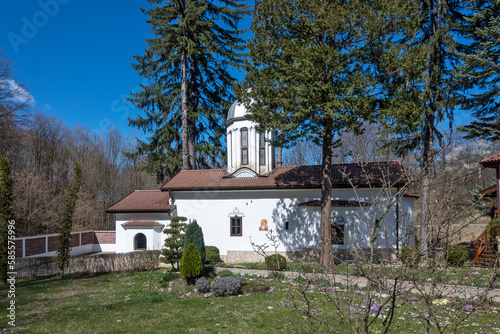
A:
[143,201]
[361,175]
[492,161]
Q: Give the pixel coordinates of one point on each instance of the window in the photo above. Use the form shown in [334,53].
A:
[236,229]
[287,225]
[140,242]
[262,149]
[337,234]
[244,146]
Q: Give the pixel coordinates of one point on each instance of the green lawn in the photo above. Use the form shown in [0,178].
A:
[120,303]
[465,275]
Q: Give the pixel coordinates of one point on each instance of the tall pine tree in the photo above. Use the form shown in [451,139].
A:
[187,65]
[479,74]
[423,94]
[310,75]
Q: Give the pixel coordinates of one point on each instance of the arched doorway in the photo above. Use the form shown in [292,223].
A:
[140,242]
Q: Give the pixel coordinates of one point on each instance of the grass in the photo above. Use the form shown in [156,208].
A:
[120,303]
[465,275]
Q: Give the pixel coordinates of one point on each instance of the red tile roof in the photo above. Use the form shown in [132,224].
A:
[361,175]
[142,223]
[492,161]
[143,201]
[336,204]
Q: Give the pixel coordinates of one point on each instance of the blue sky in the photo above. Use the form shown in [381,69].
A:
[75,56]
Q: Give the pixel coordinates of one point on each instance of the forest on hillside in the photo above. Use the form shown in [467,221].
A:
[42,149]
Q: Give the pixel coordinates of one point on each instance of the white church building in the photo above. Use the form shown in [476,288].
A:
[241,204]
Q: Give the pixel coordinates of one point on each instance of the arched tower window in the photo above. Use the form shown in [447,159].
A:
[262,149]
[244,146]
[140,242]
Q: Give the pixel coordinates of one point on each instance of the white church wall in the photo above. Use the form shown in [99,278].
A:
[154,236]
[213,209]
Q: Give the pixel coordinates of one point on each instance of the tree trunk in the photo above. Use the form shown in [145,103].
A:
[325,259]
[193,107]
[184,109]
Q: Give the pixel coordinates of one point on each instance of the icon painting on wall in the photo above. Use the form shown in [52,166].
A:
[263,225]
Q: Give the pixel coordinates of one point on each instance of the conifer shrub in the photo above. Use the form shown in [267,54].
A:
[410,256]
[174,244]
[228,286]
[170,276]
[212,255]
[191,265]
[202,285]
[275,262]
[457,255]
[194,234]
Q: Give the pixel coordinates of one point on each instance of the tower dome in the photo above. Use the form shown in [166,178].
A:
[237,111]
[248,151]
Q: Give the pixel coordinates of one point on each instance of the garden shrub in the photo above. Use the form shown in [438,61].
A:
[191,265]
[174,244]
[202,285]
[209,272]
[170,276]
[227,286]
[410,256]
[494,229]
[457,255]
[194,234]
[275,262]
[212,255]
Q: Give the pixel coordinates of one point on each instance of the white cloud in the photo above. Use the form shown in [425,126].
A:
[19,94]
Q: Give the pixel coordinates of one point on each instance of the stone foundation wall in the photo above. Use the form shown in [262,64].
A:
[312,255]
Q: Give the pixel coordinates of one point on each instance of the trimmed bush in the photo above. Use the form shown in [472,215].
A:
[212,255]
[227,286]
[457,255]
[202,285]
[194,234]
[275,262]
[191,265]
[174,244]
[410,256]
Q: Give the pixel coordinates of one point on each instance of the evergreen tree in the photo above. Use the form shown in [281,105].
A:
[421,94]
[189,85]
[66,223]
[5,216]
[191,265]
[194,234]
[174,244]
[479,74]
[309,76]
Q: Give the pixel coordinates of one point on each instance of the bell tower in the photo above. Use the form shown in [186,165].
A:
[249,153]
